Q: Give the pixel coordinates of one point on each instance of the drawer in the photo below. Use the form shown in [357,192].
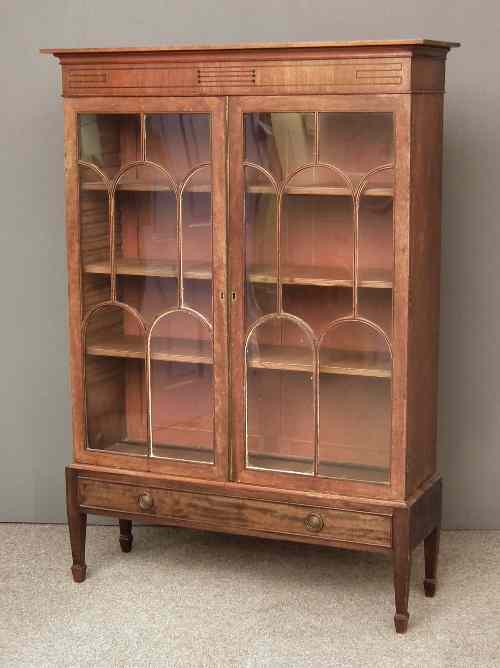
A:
[231,514]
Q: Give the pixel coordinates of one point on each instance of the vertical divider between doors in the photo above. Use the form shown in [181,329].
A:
[228,290]
[236,286]
[220,337]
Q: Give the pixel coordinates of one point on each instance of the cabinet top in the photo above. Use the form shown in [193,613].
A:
[245,46]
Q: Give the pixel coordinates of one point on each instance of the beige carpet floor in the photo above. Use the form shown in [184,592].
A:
[185,598]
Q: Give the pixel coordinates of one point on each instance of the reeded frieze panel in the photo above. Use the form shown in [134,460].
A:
[238,77]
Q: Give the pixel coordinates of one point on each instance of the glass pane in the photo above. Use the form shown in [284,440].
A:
[280,141]
[94,239]
[317,305]
[115,382]
[182,406]
[316,250]
[375,249]
[316,253]
[146,240]
[316,245]
[110,141]
[354,404]
[178,142]
[260,247]
[279,398]
[356,142]
[196,215]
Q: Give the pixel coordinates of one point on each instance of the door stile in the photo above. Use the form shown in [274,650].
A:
[401,294]
[74,277]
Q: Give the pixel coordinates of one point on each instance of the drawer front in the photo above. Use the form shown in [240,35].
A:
[234,514]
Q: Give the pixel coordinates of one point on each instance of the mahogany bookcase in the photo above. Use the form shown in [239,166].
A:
[253,238]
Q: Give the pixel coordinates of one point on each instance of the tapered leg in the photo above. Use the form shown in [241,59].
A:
[431,551]
[77,524]
[402,567]
[126,537]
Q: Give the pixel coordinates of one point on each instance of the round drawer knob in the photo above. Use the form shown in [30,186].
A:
[314,522]
[145,501]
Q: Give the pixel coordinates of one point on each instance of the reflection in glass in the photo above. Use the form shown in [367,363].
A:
[94,239]
[114,382]
[354,404]
[315,259]
[146,240]
[178,142]
[279,398]
[356,142]
[109,141]
[317,305]
[182,388]
[280,142]
[260,248]
[317,231]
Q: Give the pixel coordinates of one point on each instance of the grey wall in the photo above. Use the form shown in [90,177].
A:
[34,404]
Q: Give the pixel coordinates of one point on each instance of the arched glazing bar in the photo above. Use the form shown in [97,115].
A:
[110,140]
[182,365]
[179,350]
[113,148]
[324,183]
[141,172]
[94,215]
[187,136]
[196,183]
[280,356]
[114,379]
[279,189]
[362,185]
[354,401]
[261,243]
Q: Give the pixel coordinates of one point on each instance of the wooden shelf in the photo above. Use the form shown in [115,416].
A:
[320,276]
[257,189]
[151,268]
[145,186]
[165,350]
[326,468]
[272,357]
[332,362]
[291,275]
[330,191]
[178,452]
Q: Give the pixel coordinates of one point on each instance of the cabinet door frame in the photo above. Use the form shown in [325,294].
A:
[215,106]
[400,106]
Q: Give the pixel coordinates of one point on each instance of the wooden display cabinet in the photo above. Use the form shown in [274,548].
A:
[253,251]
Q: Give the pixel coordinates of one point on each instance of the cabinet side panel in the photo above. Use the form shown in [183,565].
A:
[425,249]
[74,275]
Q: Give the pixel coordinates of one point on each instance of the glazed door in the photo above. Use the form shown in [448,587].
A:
[147,238]
[315,356]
